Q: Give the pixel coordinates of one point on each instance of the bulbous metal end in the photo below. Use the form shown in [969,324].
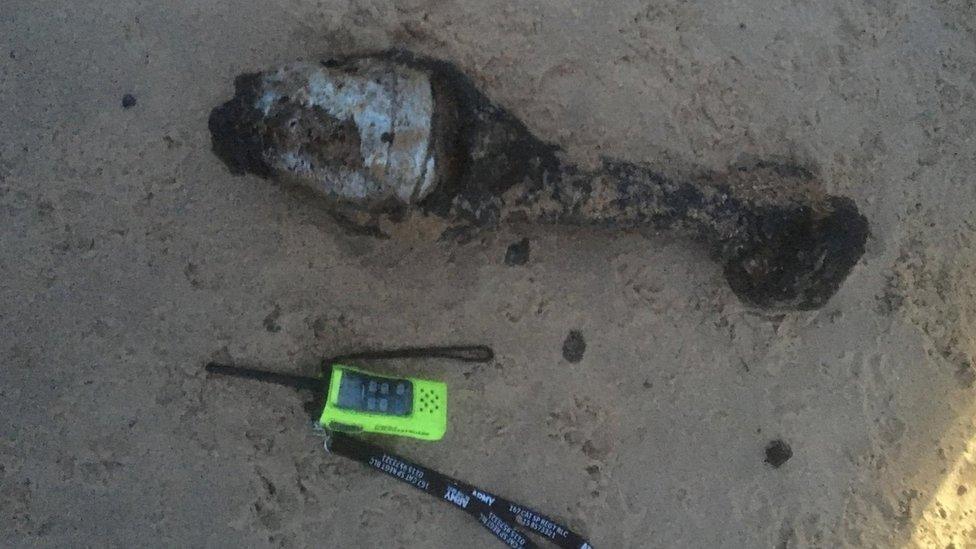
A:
[797,258]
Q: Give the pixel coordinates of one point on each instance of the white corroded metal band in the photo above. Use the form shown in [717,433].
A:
[392,107]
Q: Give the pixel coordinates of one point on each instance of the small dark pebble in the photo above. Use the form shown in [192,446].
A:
[778,453]
[271,321]
[517,253]
[128,101]
[574,347]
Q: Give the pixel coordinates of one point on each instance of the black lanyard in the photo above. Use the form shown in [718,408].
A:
[495,513]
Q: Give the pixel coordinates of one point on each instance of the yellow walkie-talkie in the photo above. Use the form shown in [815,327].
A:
[354,400]
[359,401]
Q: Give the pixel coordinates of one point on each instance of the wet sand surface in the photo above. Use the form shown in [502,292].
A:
[632,395]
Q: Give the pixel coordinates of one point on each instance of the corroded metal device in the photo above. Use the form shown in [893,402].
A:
[389,133]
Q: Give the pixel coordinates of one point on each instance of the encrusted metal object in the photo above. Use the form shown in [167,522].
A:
[390,132]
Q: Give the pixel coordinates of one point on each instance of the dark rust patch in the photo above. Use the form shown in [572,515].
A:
[321,138]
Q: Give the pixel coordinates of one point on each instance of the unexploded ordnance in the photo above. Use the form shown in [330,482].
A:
[394,131]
